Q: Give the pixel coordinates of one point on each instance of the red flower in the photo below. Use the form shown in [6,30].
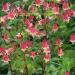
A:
[55,10]
[58,41]
[5,7]
[65,5]
[60,52]
[9,51]
[42,21]
[72,38]
[5,58]
[24,46]
[47,58]
[5,37]
[54,27]
[67,73]
[32,55]
[45,44]
[27,23]
[37,2]
[11,15]
[2,50]
[4,19]
[19,36]
[31,17]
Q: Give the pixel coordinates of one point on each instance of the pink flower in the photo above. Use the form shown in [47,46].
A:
[5,58]
[4,19]
[67,73]
[19,10]
[32,8]
[66,17]
[5,7]
[9,51]
[19,36]
[32,31]
[45,44]
[55,10]
[32,54]
[31,17]
[58,41]
[46,6]
[2,50]
[5,37]
[42,21]
[24,46]
[65,5]
[11,15]
[72,38]
[54,27]
[37,2]
[28,23]
[47,58]
[60,52]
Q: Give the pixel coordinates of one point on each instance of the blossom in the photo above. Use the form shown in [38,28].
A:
[55,10]
[72,38]
[45,44]
[58,41]
[19,36]
[5,58]
[60,52]
[24,46]
[54,27]
[65,5]
[4,19]
[67,73]
[41,21]
[5,7]
[32,54]
[11,15]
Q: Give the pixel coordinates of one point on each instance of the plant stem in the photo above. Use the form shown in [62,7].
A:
[43,68]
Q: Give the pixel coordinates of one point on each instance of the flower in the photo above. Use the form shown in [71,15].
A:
[45,44]
[32,54]
[41,22]
[5,58]
[67,73]
[19,36]
[60,52]
[58,42]
[24,46]
[5,37]
[4,19]
[11,15]
[5,7]
[55,9]
[2,50]
[54,27]
[72,38]
[65,5]
[37,2]
[47,58]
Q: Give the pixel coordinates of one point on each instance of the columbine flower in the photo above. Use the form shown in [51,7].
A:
[11,15]
[24,46]
[47,58]
[9,51]
[5,58]
[72,38]
[67,73]
[65,5]
[37,2]
[5,7]
[4,19]
[55,10]
[2,50]
[19,36]
[28,23]
[60,52]
[45,44]
[31,17]
[54,27]
[32,54]
[58,41]
[41,22]
[5,37]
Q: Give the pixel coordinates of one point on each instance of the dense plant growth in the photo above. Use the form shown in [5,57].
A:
[37,37]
